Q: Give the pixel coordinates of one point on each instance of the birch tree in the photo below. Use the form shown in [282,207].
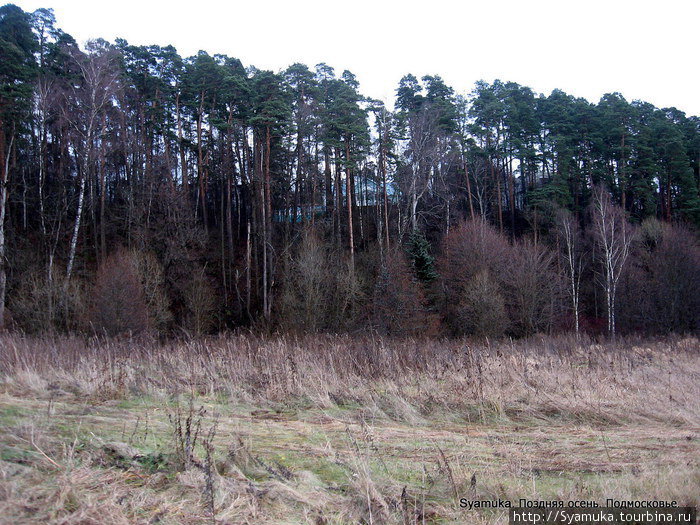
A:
[86,100]
[613,236]
[570,238]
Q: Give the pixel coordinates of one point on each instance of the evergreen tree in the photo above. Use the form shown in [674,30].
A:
[17,69]
[423,261]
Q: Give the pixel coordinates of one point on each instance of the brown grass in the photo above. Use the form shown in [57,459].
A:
[331,429]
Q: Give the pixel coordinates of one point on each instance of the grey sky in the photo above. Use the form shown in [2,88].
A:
[645,50]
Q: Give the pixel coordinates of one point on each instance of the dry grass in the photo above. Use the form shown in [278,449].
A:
[339,429]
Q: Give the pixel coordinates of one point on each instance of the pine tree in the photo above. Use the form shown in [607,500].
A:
[17,69]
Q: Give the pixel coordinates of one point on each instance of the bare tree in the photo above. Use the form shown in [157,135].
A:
[305,300]
[613,236]
[85,104]
[4,179]
[419,150]
[532,287]
[570,238]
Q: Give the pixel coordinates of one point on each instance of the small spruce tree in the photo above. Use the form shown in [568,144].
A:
[423,262]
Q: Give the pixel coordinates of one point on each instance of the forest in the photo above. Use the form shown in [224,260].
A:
[232,295]
[146,192]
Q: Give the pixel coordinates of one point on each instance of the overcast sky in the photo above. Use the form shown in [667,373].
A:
[643,49]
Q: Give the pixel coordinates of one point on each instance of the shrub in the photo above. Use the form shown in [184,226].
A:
[398,305]
[40,304]
[513,288]
[200,303]
[660,291]
[472,249]
[307,286]
[320,291]
[481,310]
[118,303]
[533,288]
[150,272]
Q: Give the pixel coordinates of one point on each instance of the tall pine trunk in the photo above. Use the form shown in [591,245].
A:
[348,182]
[267,245]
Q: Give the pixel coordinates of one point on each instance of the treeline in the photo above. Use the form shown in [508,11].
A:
[144,191]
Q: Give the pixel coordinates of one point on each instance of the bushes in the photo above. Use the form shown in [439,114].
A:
[117,301]
[481,309]
[150,273]
[40,304]
[485,286]
[470,248]
[533,289]
[306,294]
[398,304]
[660,292]
[127,295]
[491,287]
[319,289]
[200,303]
[674,275]
[320,292]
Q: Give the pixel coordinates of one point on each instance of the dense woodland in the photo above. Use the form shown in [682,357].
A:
[146,192]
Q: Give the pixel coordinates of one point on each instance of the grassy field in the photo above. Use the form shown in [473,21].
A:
[241,429]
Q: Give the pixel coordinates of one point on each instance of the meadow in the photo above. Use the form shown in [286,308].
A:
[340,429]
